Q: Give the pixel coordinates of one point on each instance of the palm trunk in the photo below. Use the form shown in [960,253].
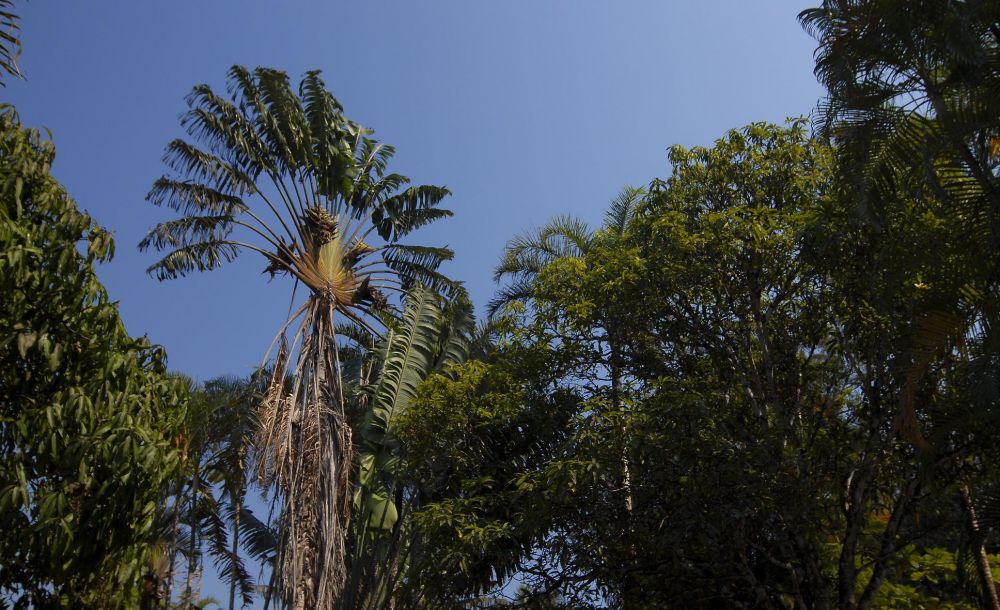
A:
[237,507]
[193,519]
[616,404]
[175,529]
[990,599]
[614,368]
[631,585]
[317,459]
[198,566]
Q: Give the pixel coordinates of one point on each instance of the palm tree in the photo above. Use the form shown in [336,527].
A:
[231,426]
[287,176]
[526,255]
[912,100]
[189,503]
[214,449]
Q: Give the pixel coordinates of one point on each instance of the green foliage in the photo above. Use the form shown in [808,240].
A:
[717,421]
[912,104]
[426,339]
[926,578]
[88,415]
[475,438]
[430,335]
[440,432]
[720,367]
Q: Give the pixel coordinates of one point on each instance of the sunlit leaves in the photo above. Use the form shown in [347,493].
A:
[89,413]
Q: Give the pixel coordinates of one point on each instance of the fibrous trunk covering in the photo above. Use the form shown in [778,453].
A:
[308,453]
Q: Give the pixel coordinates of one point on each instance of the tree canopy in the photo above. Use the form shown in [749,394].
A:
[88,414]
[769,378]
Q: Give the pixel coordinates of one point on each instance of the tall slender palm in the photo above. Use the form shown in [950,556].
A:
[186,502]
[214,445]
[231,428]
[287,176]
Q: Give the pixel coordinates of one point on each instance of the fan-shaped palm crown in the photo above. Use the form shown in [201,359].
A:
[286,175]
[306,186]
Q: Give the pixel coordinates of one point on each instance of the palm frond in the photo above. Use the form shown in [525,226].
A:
[622,209]
[409,356]
[10,42]
[415,207]
[187,231]
[430,257]
[330,143]
[202,256]
[283,121]
[418,266]
[200,166]
[257,538]
[519,290]
[368,194]
[191,197]
[528,253]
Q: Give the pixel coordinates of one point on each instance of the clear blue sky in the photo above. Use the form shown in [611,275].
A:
[525,109]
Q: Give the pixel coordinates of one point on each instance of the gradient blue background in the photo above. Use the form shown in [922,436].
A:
[525,109]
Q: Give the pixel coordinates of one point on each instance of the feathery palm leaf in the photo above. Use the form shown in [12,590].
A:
[10,43]
[526,255]
[257,538]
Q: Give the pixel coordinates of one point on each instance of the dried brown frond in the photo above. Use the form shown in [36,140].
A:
[281,261]
[356,252]
[366,294]
[274,420]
